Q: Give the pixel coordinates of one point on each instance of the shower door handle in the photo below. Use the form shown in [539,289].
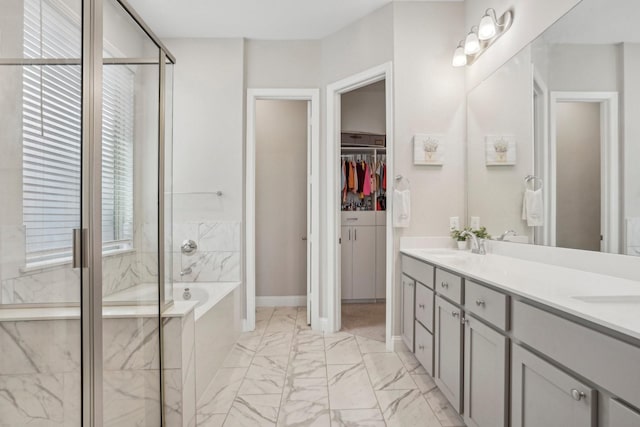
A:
[78,255]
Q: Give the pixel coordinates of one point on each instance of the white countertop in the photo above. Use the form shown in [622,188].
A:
[610,301]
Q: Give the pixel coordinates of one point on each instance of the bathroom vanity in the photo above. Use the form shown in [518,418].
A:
[521,343]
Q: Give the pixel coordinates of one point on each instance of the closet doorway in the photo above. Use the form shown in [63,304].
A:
[281,226]
[360,241]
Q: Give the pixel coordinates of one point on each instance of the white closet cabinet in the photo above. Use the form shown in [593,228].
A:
[381,255]
[360,258]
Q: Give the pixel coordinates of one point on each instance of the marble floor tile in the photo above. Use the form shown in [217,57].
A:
[264,313]
[445,413]
[341,349]
[301,321]
[387,372]
[265,375]
[275,344]
[281,323]
[424,382]
[216,420]
[240,355]
[367,345]
[218,396]
[308,340]
[349,387]
[261,326]
[305,402]
[357,417]
[254,411]
[402,408]
[411,363]
[311,364]
[286,311]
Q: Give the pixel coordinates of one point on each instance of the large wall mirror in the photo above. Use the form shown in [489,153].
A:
[554,135]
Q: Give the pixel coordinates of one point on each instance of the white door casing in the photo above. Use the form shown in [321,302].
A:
[313,200]
[334,92]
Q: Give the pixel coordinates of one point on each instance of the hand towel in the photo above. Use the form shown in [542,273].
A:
[401,208]
[533,208]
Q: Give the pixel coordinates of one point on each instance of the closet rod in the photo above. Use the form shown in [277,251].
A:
[364,148]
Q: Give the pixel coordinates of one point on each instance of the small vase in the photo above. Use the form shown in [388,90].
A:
[462,245]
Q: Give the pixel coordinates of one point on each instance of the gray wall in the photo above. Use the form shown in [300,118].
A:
[281,197]
[578,175]
[363,109]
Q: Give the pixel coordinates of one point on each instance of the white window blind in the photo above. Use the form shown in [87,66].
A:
[52,137]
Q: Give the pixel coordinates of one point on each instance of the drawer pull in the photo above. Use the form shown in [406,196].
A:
[421,347]
[577,395]
[455,314]
[444,284]
[480,302]
[464,321]
[421,306]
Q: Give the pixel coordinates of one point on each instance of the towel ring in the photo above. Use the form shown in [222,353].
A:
[535,179]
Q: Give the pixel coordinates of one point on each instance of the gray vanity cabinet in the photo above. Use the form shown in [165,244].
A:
[448,351]
[485,375]
[543,395]
[408,304]
[622,416]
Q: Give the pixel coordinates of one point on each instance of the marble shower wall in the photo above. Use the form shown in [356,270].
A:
[41,383]
[61,283]
[218,256]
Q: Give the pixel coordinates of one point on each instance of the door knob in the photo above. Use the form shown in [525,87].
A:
[304,238]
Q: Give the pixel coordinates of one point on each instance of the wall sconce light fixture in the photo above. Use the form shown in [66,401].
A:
[482,36]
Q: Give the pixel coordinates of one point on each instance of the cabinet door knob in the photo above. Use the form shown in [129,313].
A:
[421,347]
[464,321]
[455,314]
[577,395]
[479,302]
[421,306]
[444,284]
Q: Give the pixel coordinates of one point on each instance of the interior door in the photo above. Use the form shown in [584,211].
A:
[309,211]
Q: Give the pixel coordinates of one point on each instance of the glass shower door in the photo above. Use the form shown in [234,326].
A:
[130,223]
[40,206]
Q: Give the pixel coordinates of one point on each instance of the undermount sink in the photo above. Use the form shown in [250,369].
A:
[610,299]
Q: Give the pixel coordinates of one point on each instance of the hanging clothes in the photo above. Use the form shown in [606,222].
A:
[384,177]
[361,173]
[372,178]
[366,188]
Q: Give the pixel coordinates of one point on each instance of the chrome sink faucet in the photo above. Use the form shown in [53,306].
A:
[505,234]
[477,245]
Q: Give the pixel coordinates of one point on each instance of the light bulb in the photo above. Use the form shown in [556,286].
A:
[459,57]
[471,44]
[487,28]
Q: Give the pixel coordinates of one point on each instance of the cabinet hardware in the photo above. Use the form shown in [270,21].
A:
[421,347]
[349,234]
[421,306]
[479,302]
[577,395]
[455,314]
[444,284]
[355,234]
[464,321]
[352,219]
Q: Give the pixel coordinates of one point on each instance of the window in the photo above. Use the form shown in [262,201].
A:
[51,131]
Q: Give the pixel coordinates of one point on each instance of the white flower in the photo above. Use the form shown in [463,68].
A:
[430,145]
[501,145]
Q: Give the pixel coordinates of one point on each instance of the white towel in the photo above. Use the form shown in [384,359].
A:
[533,208]
[401,208]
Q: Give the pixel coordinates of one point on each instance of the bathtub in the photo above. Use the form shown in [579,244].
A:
[218,324]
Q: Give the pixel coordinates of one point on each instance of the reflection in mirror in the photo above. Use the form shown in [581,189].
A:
[566,106]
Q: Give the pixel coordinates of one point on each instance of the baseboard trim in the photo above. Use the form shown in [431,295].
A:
[398,343]
[324,324]
[283,301]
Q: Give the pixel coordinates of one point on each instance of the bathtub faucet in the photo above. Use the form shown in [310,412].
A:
[186,271]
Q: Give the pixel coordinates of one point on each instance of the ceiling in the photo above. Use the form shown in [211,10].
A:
[256,19]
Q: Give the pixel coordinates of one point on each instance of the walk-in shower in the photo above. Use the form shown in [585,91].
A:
[86,94]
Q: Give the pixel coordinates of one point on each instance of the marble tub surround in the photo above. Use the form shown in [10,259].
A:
[300,384]
[218,256]
[607,301]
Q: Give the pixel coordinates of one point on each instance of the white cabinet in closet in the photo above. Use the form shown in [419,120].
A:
[358,256]
[381,254]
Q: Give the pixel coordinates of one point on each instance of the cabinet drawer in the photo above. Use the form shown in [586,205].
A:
[419,270]
[424,306]
[622,416]
[606,361]
[449,285]
[358,218]
[424,348]
[486,303]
